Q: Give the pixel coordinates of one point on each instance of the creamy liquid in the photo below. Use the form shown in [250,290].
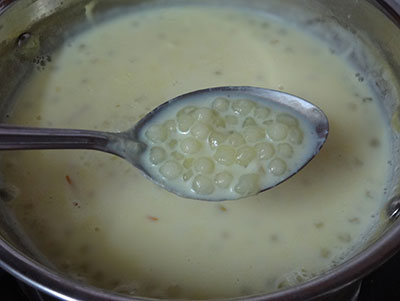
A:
[226,145]
[99,220]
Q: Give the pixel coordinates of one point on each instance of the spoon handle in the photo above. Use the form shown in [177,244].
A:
[19,137]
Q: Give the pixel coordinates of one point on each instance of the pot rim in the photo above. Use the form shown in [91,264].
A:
[55,284]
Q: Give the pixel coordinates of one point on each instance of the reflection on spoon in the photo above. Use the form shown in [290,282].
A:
[214,144]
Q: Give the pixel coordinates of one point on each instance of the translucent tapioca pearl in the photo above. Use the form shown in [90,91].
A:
[200,131]
[185,122]
[172,144]
[235,139]
[277,167]
[157,133]
[188,110]
[268,122]
[187,175]
[287,119]
[225,155]
[177,156]
[265,150]
[325,253]
[205,115]
[171,170]
[295,136]
[284,150]
[188,163]
[242,107]
[261,113]
[216,138]
[219,122]
[344,237]
[231,119]
[170,126]
[204,165]
[249,121]
[277,131]
[190,145]
[203,185]
[253,134]
[261,170]
[248,184]
[157,155]
[223,179]
[220,104]
[244,155]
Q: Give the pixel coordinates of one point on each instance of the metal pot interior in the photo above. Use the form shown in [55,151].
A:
[31,30]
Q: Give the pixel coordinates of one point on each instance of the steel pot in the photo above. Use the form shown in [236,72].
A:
[31,28]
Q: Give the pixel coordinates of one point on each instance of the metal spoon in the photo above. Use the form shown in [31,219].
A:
[129,145]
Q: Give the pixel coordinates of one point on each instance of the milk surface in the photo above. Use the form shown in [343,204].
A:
[100,221]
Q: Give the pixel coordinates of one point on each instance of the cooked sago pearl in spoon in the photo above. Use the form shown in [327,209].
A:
[223,148]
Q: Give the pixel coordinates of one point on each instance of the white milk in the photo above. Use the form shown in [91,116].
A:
[99,220]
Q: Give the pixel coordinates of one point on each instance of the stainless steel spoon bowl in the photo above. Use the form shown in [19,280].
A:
[130,146]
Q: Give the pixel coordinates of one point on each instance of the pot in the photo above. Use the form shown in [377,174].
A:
[31,29]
